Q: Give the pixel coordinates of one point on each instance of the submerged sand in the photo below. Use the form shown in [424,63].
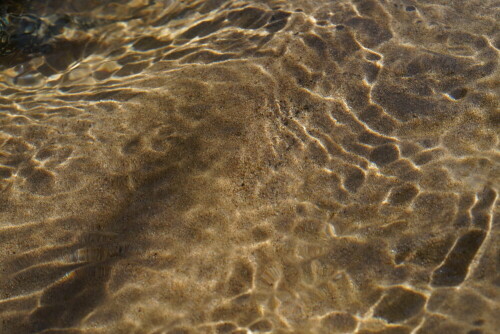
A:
[304,166]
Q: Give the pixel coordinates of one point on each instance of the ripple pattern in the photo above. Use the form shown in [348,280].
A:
[231,166]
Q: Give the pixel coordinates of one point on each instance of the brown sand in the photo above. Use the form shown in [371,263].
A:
[304,166]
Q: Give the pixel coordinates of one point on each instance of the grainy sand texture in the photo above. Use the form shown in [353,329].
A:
[227,166]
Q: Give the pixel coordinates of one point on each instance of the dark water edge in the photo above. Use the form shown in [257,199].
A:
[227,166]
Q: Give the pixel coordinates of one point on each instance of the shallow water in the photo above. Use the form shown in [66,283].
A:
[304,166]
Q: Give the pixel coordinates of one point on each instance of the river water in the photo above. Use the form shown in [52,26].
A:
[218,166]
